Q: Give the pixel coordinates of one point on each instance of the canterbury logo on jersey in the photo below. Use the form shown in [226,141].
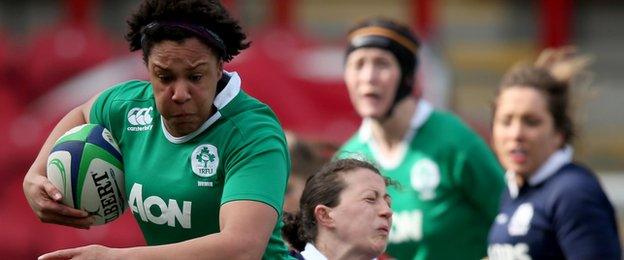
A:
[168,213]
[140,119]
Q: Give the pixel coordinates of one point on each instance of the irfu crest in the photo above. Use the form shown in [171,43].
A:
[205,160]
[205,156]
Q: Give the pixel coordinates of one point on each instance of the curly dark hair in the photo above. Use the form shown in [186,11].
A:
[322,188]
[208,15]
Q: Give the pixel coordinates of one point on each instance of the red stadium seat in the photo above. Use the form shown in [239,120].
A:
[61,51]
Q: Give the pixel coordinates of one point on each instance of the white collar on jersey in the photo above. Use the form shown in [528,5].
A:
[423,111]
[556,160]
[221,100]
[311,253]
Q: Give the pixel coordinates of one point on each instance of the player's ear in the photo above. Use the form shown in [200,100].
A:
[220,69]
[323,216]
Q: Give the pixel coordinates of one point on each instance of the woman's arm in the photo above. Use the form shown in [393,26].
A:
[42,196]
[245,230]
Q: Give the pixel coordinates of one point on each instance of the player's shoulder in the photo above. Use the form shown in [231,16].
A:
[442,122]
[129,90]
[449,130]
[354,147]
[574,174]
[247,111]
[574,179]
[250,118]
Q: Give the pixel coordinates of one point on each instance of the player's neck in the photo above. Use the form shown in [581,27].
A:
[391,131]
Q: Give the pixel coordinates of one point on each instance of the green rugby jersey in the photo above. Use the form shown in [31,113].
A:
[450,185]
[175,186]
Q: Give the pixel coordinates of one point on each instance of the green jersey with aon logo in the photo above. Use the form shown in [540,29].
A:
[175,186]
[450,184]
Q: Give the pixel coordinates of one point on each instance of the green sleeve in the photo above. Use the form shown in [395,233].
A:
[258,170]
[100,110]
[480,177]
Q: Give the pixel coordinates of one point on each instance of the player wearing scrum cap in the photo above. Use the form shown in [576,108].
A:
[450,180]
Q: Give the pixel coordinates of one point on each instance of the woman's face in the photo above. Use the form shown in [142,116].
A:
[523,130]
[372,78]
[184,77]
[363,216]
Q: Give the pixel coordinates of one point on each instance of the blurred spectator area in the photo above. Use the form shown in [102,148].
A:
[467,47]
[54,55]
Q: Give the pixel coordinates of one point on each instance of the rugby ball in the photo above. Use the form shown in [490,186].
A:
[86,166]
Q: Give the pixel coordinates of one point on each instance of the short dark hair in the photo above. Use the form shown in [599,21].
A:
[159,20]
[556,94]
[322,188]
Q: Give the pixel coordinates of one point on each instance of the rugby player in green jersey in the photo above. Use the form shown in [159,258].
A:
[450,180]
[206,165]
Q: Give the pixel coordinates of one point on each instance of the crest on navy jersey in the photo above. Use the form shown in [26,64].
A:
[520,221]
[205,160]
[501,219]
[425,178]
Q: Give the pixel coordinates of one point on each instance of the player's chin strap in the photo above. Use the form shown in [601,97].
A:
[404,90]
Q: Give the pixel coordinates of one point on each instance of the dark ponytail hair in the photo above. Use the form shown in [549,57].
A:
[292,231]
[322,188]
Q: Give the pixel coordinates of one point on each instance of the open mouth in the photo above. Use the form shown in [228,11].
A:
[518,155]
[372,96]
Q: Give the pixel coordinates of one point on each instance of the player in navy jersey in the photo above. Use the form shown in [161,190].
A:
[554,208]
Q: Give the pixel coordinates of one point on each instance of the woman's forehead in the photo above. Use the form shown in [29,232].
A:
[190,53]
[370,51]
[362,178]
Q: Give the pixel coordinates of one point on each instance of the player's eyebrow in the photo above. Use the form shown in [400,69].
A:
[198,65]
[157,66]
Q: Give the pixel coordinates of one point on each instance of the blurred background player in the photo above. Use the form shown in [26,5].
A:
[450,180]
[554,208]
[217,155]
[344,213]
[306,158]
